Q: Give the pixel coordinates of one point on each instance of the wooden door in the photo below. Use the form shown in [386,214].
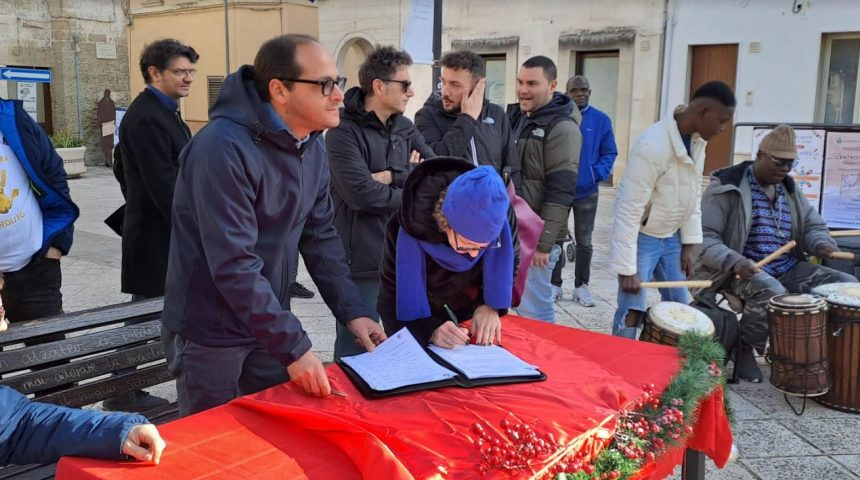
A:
[708,63]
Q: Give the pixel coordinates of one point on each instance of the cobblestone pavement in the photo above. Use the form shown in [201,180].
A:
[774,442]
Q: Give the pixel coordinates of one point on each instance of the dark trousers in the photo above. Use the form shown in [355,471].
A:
[344,344]
[584,214]
[34,291]
[210,376]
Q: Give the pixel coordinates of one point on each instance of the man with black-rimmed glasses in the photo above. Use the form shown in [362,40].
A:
[370,154]
[252,192]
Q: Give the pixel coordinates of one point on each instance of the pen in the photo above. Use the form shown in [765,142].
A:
[338,393]
[451,314]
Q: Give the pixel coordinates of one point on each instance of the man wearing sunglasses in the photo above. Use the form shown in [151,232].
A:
[370,154]
[748,212]
[252,192]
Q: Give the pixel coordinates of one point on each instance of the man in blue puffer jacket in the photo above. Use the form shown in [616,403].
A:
[33,432]
[595,165]
[36,216]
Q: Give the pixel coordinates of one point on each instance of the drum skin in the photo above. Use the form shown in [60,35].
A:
[665,331]
[798,328]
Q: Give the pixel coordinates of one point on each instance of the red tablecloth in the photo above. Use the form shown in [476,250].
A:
[284,433]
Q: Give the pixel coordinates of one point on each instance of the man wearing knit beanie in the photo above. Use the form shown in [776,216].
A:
[748,212]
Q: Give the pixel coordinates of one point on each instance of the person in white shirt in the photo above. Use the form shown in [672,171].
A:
[657,210]
[36,216]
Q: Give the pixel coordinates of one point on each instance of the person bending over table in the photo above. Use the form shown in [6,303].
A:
[748,212]
[32,432]
[448,256]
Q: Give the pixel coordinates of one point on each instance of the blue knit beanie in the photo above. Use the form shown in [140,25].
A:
[476,204]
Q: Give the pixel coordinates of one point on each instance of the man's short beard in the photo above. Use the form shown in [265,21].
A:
[455,109]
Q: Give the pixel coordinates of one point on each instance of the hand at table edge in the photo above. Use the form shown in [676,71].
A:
[144,443]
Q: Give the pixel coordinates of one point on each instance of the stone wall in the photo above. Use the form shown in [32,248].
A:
[50,34]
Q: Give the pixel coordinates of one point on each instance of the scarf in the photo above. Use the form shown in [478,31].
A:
[411,264]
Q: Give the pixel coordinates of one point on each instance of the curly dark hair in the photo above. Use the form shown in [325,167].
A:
[383,64]
[465,60]
[159,53]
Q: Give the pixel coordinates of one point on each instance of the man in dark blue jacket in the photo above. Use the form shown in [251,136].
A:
[253,191]
[595,165]
[33,432]
[370,155]
[36,216]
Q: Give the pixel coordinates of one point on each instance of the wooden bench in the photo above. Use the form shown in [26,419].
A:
[82,358]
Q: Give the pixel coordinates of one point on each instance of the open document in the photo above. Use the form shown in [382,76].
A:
[401,365]
[397,362]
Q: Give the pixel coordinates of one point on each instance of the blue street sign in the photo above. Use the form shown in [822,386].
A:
[25,75]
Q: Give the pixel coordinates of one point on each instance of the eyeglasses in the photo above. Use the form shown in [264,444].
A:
[327,84]
[184,72]
[489,246]
[406,83]
[783,162]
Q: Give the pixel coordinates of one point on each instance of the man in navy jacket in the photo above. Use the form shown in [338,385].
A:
[33,432]
[36,216]
[252,192]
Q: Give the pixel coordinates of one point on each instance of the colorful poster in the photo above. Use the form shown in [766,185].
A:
[840,202]
[810,158]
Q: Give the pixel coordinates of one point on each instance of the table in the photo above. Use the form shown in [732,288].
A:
[284,433]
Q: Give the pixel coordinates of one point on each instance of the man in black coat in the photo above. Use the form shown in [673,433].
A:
[458,120]
[147,160]
[370,154]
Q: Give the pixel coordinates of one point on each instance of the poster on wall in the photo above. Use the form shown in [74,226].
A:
[27,94]
[840,200]
[810,159]
[418,37]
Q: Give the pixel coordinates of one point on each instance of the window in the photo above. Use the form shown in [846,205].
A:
[839,102]
[495,66]
[601,70]
[213,84]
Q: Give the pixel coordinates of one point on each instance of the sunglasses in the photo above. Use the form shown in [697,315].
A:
[327,84]
[406,83]
[489,246]
[783,162]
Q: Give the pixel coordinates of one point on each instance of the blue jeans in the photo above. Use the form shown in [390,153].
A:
[657,258]
[344,344]
[537,301]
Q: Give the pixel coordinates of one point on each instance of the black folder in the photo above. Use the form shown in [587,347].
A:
[458,381]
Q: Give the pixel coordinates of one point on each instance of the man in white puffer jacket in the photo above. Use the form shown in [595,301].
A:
[657,210]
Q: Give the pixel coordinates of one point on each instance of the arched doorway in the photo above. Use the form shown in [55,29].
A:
[351,53]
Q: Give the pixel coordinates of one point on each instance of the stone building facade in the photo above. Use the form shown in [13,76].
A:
[85,46]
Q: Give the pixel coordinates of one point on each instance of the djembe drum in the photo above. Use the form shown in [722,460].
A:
[843,345]
[798,346]
[667,321]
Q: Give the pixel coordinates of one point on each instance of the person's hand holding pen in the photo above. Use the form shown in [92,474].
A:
[450,334]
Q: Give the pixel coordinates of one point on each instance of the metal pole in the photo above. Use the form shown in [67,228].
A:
[437,42]
[78,85]
[226,37]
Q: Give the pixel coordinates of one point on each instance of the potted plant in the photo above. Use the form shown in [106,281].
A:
[71,149]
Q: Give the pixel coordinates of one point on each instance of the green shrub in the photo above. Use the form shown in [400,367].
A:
[66,140]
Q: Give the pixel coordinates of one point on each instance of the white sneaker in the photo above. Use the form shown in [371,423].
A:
[582,296]
[556,294]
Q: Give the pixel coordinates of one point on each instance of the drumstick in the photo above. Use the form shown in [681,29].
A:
[678,283]
[845,233]
[773,256]
[842,256]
